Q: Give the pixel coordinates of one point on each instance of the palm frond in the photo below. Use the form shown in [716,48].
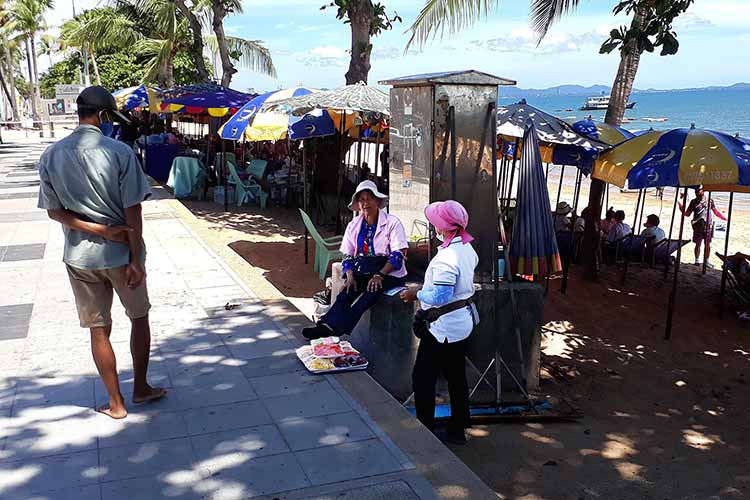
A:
[253,55]
[544,13]
[100,29]
[454,15]
[158,53]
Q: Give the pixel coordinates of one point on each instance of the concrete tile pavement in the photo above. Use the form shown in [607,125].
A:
[242,420]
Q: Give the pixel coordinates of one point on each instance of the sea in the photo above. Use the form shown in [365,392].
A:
[725,110]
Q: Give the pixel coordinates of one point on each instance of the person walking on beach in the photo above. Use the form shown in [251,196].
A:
[94,186]
[702,210]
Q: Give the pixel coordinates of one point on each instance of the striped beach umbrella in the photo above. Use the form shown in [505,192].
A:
[601,131]
[273,127]
[358,97]
[533,246]
[678,157]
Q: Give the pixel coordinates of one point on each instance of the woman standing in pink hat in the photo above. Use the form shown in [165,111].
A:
[374,247]
[445,319]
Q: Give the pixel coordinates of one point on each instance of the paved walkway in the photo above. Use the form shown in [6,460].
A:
[242,418]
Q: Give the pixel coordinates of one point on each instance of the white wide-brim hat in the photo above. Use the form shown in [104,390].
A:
[367,186]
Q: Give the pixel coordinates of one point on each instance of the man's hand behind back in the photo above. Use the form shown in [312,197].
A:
[120,234]
[135,273]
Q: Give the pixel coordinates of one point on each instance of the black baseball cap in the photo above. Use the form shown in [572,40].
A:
[96,98]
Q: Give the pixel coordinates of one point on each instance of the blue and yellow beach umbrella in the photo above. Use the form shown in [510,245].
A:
[601,131]
[678,157]
[138,97]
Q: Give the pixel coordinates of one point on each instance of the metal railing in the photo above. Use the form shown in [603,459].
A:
[31,127]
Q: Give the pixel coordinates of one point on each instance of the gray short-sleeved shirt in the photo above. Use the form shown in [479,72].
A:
[97,178]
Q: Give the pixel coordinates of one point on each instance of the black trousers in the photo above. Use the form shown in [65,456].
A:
[350,306]
[448,359]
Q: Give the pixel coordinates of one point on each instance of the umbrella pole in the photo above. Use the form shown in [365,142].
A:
[341,180]
[377,156]
[637,208]
[224,174]
[643,209]
[605,205]
[546,172]
[304,197]
[726,251]
[452,119]
[512,171]
[359,157]
[671,228]
[705,239]
[569,256]
[559,186]
[673,294]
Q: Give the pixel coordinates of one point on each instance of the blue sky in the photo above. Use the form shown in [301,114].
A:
[309,46]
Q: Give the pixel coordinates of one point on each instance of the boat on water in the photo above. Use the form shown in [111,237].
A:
[600,103]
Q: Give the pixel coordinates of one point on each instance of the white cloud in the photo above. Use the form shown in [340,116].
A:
[690,21]
[524,40]
[329,51]
[325,56]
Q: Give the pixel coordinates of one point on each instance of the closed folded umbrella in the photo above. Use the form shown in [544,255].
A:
[533,246]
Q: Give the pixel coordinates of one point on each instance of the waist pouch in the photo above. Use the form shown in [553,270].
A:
[423,318]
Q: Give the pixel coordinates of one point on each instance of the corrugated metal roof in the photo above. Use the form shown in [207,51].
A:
[463,77]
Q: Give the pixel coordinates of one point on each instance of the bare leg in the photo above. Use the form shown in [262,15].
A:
[697,252]
[707,250]
[106,364]
[140,348]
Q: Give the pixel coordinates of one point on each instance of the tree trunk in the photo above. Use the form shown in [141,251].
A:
[6,94]
[360,18]
[12,82]
[228,69]
[37,91]
[169,72]
[196,49]
[96,68]
[622,87]
[29,63]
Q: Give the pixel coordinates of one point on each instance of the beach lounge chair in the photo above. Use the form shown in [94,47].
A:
[247,188]
[326,249]
[660,254]
[257,168]
[739,296]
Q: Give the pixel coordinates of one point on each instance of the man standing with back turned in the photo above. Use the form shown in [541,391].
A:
[94,187]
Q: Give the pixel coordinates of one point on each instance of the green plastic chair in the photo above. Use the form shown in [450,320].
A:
[326,249]
[257,168]
[246,187]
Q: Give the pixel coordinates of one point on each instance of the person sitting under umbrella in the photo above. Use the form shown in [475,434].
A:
[653,230]
[561,218]
[619,229]
[374,246]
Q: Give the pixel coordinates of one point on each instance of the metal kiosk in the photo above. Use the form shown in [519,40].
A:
[443,139]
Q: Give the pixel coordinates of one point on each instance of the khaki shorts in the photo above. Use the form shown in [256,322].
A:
[93,292]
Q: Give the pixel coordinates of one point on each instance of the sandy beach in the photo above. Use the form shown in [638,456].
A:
[654,410]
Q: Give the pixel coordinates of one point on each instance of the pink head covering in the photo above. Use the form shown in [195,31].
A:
[449,216]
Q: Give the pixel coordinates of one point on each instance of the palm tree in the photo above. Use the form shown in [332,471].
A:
[48,46]
[7,62]
[196,33]
[650,27]
[366,20]
[28,16]
[251,54]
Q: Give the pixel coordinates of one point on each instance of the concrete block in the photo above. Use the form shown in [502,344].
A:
[347,461]
[226,417]
[328,430]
